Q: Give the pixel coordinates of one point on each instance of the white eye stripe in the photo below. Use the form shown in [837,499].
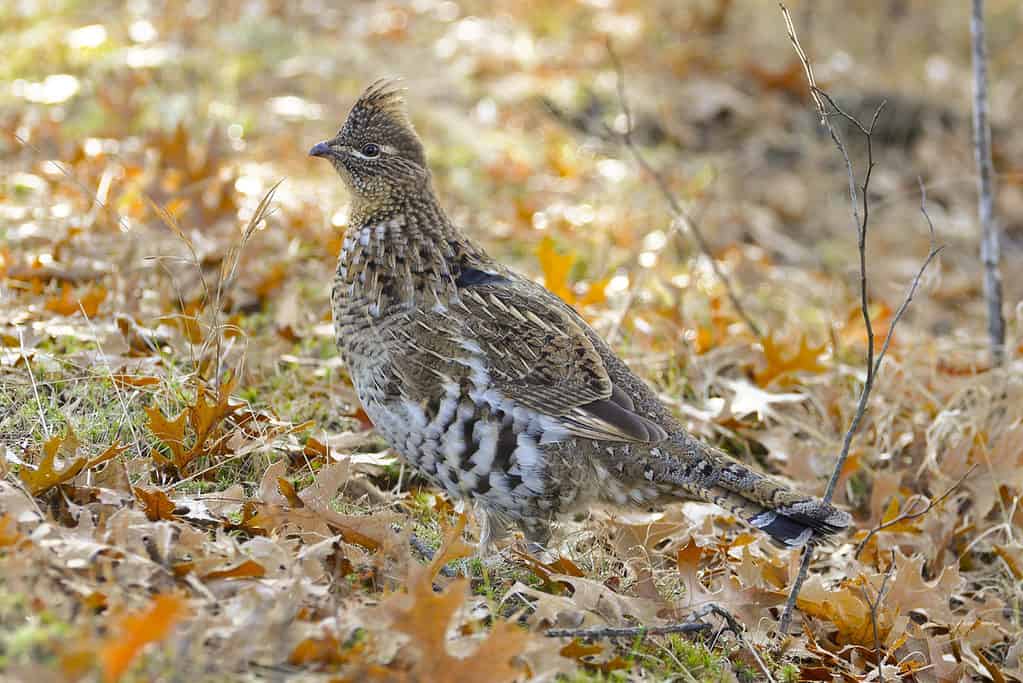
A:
[386,149]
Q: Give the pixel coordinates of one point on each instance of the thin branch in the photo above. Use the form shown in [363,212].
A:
[875,606]
[642,631]
[990,251]
[862,222]
[906,515]
[610,632]
[680,215]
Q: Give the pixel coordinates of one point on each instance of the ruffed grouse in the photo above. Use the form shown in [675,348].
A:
[487,383]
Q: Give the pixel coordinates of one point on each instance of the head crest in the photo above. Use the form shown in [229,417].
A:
[384,96]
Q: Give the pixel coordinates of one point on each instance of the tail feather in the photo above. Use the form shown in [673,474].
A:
[792,519]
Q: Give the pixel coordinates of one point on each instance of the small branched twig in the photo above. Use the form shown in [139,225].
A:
[731,623]
[860,204]
[680,215]
[911,512]
[875,607]
[633,632]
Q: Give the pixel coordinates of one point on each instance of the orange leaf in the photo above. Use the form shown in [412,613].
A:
[287,490]
[595,293]
[249,569]
[452,547]
[315,449]
[110,453]
[555,269]
[132,632]
[426,622]
[156,504]
[577,650]
[1013,558]
[170,432]
[129,381]
[46,476]
[779,364]
[9,534]
[67,303]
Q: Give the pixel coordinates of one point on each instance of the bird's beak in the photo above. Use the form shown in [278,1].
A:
[320,149]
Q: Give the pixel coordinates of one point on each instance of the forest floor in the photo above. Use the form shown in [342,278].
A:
[191,492]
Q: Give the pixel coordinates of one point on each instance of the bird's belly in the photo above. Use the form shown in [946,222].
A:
[471,451]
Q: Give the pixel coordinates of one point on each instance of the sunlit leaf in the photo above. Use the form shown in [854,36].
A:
[46,475]
[778,364]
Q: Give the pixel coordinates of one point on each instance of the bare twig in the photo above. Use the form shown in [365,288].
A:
[860,205]
[680,215]
[875,606]
[642,631]
[907,515]
[990,251]
[628,631]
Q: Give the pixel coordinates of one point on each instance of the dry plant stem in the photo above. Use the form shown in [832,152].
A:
[862,222]
[875,606]
[907,515]
[679,214]
[990,251]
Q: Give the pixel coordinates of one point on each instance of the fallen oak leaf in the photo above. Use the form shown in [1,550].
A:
[426,620]
[155,504]
[132,632]
[778,365]
[249,569]
[45,476]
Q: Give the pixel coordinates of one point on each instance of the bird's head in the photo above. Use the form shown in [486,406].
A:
[377,152]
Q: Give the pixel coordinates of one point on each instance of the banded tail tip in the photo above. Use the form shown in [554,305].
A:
[797,525]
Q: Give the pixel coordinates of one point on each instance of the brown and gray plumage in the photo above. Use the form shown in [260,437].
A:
[492,387]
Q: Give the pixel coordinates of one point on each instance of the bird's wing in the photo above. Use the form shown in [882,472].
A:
[512,335]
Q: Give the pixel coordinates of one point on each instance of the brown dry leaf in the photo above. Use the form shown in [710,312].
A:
[316,517]
[790,80]
[170,432]
[155,503]
[46,476]
[9,534]
[68,303]
[1012,556]
[451,548]
[249,569]
[426,620]
[546,572]
[202,417]
[315,449]
[132,632]
[287,490]
[845,607]
[134,382]
[779,365]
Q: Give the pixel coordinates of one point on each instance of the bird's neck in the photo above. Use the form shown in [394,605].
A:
[400,253]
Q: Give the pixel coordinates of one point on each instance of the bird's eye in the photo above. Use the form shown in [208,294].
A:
[371,150]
